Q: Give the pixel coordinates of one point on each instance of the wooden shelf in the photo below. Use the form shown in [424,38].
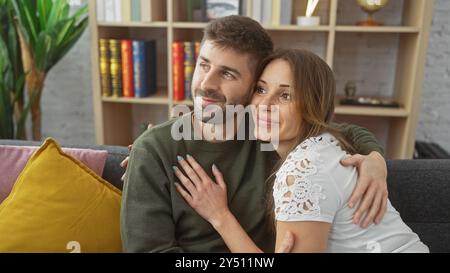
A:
[398,125]
[158,100]
[383,29]
[134,24]
[194,25]
[371,111]
[298,28]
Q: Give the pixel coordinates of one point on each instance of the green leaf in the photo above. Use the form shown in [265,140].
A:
[44,7]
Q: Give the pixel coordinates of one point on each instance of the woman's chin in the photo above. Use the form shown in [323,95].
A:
[263,136]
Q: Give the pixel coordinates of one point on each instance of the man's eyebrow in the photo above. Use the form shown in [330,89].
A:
[224,67]
[204,59]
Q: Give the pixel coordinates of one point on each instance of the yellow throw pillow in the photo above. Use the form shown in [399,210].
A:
[59,205]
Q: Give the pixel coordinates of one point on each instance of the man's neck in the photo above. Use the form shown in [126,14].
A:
[216,133]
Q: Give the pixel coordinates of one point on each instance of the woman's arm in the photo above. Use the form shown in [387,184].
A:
[312,235]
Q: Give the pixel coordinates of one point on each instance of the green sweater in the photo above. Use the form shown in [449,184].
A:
[154,216]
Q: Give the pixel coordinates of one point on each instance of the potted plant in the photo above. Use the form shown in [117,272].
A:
[47,30]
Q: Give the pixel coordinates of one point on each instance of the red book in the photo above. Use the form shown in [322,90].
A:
[178,70]
[127,68]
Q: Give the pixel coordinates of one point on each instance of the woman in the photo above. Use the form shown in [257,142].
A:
[311,187]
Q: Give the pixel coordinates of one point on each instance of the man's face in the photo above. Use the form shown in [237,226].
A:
[222,77]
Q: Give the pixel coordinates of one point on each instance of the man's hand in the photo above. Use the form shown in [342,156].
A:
[287,244]
[124,163]
[371,188]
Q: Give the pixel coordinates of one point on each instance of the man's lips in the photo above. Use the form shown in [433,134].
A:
[209,101]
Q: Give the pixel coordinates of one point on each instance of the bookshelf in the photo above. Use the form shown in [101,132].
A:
[118,120]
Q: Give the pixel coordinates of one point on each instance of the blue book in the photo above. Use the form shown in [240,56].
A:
[144,68]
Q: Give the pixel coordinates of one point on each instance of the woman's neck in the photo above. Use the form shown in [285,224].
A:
[285,147]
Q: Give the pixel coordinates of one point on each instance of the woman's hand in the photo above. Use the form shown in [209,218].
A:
[206,197]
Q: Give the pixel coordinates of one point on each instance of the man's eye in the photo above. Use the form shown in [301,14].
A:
[228,75]
[204,66]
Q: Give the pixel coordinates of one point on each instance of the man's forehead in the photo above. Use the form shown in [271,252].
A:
[222,56]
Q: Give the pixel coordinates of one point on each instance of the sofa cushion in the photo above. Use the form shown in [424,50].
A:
[57,201]
[14,158]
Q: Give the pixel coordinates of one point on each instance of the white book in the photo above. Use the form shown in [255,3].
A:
[109,11]
[266,12]
[100,9]
[286,12]
[257,10]
[146,11]
[118,10]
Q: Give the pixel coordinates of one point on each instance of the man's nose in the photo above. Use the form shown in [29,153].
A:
[210,81]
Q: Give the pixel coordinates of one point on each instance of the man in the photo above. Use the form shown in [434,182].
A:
[155,218]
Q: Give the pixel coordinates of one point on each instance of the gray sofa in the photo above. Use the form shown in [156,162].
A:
[418,189]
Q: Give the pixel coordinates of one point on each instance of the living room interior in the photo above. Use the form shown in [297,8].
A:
[71,102]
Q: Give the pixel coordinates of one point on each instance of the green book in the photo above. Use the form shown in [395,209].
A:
[136,10]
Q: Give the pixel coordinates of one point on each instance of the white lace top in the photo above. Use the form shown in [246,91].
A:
[312,185]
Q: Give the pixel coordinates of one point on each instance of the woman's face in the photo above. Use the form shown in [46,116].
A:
[275,88]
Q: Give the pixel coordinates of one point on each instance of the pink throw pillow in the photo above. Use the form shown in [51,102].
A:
[14,158]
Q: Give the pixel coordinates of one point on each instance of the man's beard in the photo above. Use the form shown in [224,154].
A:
[215,109]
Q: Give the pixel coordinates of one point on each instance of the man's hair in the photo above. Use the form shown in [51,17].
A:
[241,34]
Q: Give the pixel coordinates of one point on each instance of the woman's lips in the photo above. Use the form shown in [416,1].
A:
[266,120]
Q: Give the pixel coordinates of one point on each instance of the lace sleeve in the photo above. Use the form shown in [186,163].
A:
[302,192]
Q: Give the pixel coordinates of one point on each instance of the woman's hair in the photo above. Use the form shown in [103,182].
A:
[313,96]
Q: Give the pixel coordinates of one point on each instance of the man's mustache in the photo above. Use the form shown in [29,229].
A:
[210,94]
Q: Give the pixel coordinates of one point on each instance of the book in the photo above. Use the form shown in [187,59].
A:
[257,10]
[286,12]
[116,67]
[197,50]
[276,12]
[136,10]
[100,8]
[105,68]
[109,10]
[118,10]
[178,70]
[126,11]
[195,10]
[144,68]
[127,68]
[146,11]
[266,12]
[189,65]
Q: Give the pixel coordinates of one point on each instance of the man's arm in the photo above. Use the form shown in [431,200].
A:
[146,222]
[371,190]
[361,139]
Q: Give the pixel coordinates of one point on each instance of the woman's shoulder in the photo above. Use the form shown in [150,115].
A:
[319,146]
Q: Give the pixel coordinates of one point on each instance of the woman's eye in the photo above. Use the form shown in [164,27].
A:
[260,90]
[285,97]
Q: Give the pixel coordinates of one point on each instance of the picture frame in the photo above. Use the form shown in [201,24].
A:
[220,8]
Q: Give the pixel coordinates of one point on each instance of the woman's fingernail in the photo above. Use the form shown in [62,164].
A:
[180,158]
[188,156]
[214,167]
[175,168]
